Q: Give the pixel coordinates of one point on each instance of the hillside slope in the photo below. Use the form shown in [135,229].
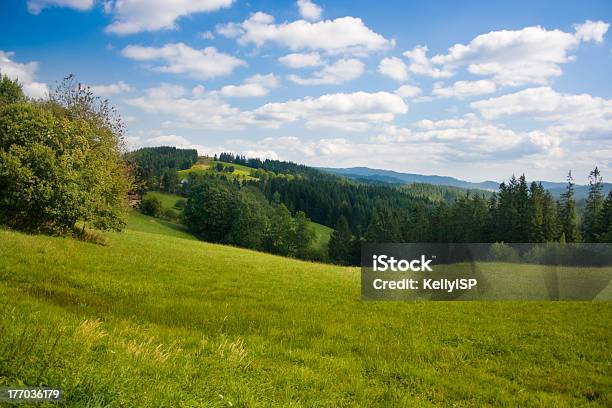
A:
[158,320]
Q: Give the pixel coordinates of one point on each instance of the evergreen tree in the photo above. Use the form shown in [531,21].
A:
[550,219]
[605,220]
[536,213]
[567,212]
[340,243]
[303,235]
[593,206]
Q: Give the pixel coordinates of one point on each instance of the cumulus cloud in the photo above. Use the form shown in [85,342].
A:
[24,73]
[36,6]
[256,85]
[197,108]
[591,31]
[531,55]
[302,60]
[342,35]
[309,10]
[394,68]
[341,71]
[569,113]
[134,16]
[464,89]
[356,111]
[111,89]
[408,91]
[181,59]
[421,65]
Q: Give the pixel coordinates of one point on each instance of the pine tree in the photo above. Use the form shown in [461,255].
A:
[550,218]
[340,243]
[594,204]
[567,212]
[605,220]
[536,213]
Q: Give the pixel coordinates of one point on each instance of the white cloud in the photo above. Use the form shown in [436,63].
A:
[24,73]
[303,60]
[342,35]
[201,109]
[181,59]
[394,68]
[36,6]
[408,91]
[111,89]
[134,16]
[256,85]
[356,111]
[421,65]
[341,71]
[591,31]
[569,114]
[463,89]
[309,10]
[510,57]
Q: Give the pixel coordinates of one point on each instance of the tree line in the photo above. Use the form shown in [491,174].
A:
[229,212]
[156,168]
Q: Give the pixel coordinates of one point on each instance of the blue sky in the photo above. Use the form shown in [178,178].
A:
[470,89]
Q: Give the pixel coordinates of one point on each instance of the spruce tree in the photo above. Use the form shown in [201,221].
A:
[340,243]
[605,220]
[536,213]
[567,212]
[593,206]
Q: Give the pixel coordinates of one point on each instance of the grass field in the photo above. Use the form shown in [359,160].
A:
[154,319]
[322,234]
[207,166]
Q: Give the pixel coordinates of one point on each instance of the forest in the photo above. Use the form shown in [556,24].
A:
[519,211]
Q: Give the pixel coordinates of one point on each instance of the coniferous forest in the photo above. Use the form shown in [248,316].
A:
[269,210]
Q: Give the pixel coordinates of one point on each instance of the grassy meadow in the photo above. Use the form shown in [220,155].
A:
[156,318]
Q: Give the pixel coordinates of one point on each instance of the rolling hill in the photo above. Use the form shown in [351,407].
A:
[155,319]
[393,177]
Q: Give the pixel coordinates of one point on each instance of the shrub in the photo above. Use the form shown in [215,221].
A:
[502,252]
[61,163]
[151,205]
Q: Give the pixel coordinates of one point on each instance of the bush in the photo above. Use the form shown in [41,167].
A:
[502,252]
[169,214]
[151,205]
[180,204]
[61,163]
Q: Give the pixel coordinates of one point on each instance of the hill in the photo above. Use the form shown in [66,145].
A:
[392,177]
[154,319]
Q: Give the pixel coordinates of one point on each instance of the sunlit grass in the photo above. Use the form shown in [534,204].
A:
[155,319]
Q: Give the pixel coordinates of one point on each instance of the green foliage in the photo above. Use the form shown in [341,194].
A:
[341,243]
[568,216]
[592,228]
[156,167]
[151,205]
[502,252]
[60,163]
[10,91]
[218,210]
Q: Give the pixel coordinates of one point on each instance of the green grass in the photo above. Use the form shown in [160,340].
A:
[167,200]
[322,234]
[207,166]
[143,223]
[154,319]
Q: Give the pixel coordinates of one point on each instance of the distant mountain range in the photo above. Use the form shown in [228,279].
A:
[393,177]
